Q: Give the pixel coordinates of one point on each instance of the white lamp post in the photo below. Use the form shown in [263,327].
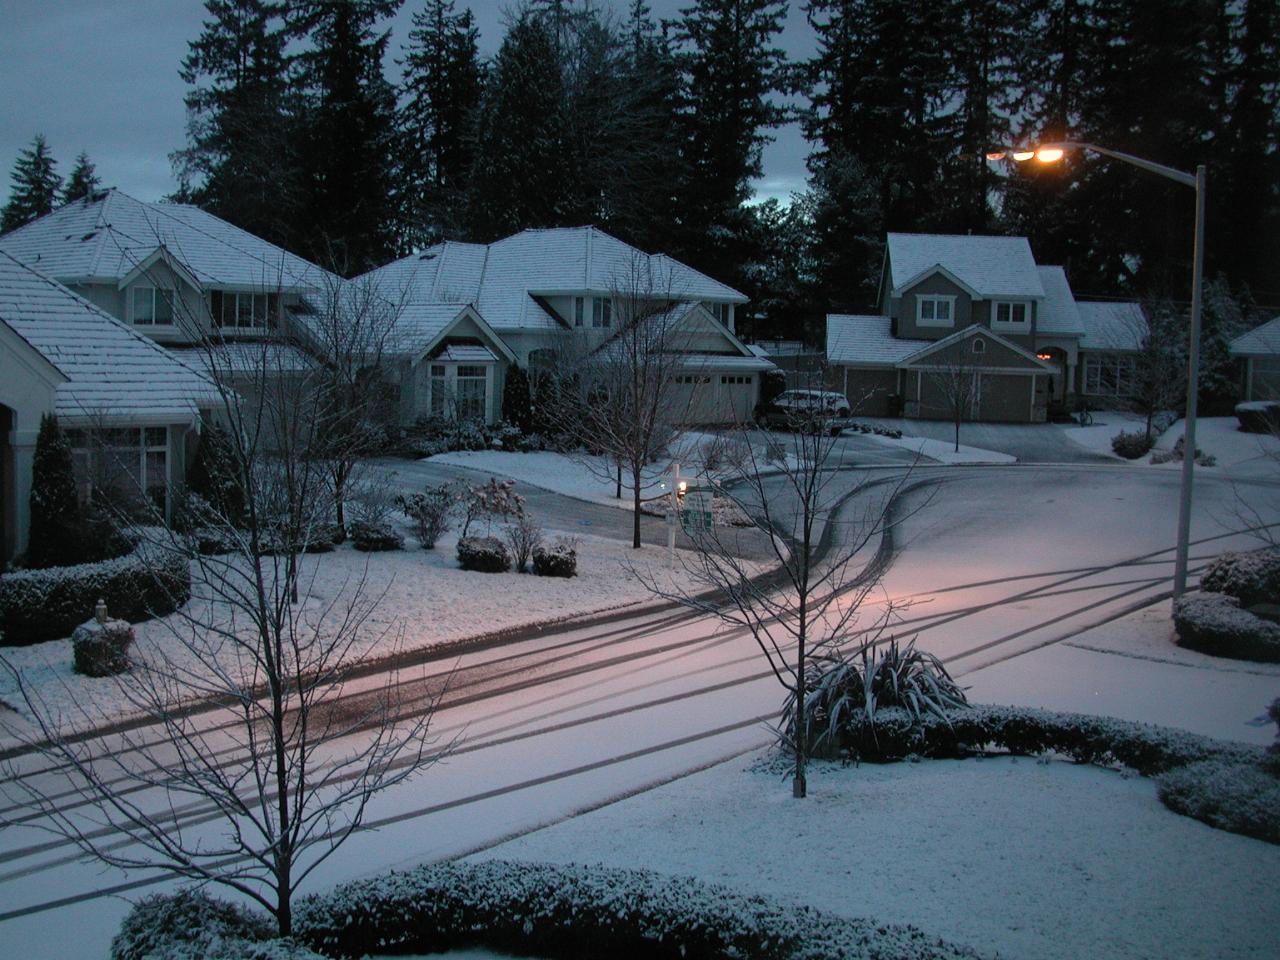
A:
[1053,152]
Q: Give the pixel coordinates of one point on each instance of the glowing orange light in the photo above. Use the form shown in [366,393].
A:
[1044,356]
[1049,154]
[996,155]
[1021,155]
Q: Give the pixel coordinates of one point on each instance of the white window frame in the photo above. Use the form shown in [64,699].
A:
[1012,326]
[271,317]
[1109,374]
[155,295]
[87,443]
[934,300]
[443,396]
[601,312]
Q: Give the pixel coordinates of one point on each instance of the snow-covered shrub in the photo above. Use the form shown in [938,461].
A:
[553,911]
[430,511]
[213,476]
[1162,420]
[1239,797]
[38,605]
[1252,577]
[523,537]
[558,560]
[1169,456]
[191,925]
[1133,445]
[372,535]
[1215,623]
[530,443]
[1259,416]
[101,649]
[493,500]
[483,554]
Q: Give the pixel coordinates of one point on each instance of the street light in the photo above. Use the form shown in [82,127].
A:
[1053,152]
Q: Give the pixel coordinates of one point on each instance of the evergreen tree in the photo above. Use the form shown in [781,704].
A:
[83,181]
[348,152]
[35,186]
[241,158]
[213,475]
[56,537]
[517,399]
[442,83]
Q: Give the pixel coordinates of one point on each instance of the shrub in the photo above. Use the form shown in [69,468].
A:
[1214,623]
[492,500]
[558,560]
[517,398]
[38,605]
[483,554]
[539,909]
[214,478]
[1131,446]
[374,535]
[1239,797]
[57,536]
[1251,578]
[523,537]
[1202,459]
[431,512]
[101,648]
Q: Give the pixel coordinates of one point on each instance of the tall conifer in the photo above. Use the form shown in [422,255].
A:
[35,186]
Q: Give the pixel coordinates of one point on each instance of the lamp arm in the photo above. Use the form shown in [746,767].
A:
[1186,179]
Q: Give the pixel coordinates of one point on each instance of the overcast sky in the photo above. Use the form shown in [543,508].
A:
[102,76]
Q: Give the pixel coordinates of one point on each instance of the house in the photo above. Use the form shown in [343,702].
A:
[1259,353]
[467,312]
[975,321]
[64,355]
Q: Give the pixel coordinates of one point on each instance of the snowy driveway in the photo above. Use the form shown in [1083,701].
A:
[1007,568]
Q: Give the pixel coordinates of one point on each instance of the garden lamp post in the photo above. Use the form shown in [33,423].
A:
[1052,153]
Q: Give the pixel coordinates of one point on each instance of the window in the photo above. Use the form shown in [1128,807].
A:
[244,311]
[1010,313]
[457,391]
[579,310]
[720,311]
[1109,374]
[726,380]
[472,381]
[692,378]
[127,467]
[439,389]
[979,345]
[152,306]
[935,311]
[601,312]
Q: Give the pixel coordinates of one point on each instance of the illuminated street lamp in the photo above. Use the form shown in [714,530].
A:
[1052,153]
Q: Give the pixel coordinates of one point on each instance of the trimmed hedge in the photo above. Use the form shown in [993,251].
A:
[191,925]
[101,649]
[1259,416]
[547,910]
[1215,623]
[558,560]
[1252,577]
[39,605]
[1240,798]
[374,536]
[483,554]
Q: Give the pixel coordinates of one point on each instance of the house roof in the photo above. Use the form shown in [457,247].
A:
[462,353]
[1058,313]
[111,371]
[991,266]
[856,340]
[1112,326]
[1263,341]
[973,330]
[246,357]
[501,279]
[107,235]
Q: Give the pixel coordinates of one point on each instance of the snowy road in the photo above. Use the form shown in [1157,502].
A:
[1001,567]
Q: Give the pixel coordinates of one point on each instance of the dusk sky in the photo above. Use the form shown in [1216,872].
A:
[102,76]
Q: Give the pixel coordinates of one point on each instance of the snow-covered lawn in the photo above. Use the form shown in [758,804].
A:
[1236,452]
[1033,860]
[422,600]
[939,450]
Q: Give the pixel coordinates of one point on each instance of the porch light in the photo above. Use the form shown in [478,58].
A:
[1044,356]
[682,488]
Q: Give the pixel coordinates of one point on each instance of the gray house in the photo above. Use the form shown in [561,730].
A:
[1259,354]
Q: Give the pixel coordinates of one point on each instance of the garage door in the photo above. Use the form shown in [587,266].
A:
[1004,397]
[737,398]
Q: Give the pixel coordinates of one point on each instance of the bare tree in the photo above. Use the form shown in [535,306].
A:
[821,521]
[953,381]
[256,793]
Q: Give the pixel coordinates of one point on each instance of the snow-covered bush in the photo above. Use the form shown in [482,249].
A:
[489,501]
[558,560]
[430,511]
[553,911]
[374,535]
[1169,456]
[38,605]
[1215,623]
[213,475]
[523,537]
[1239,797]
[483,554]
[1133,445]
[101,648]
[1259,416]
[191,925]
[1252,577]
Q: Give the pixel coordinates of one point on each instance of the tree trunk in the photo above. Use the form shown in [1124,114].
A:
[635,502]
[957,432]
[618,493]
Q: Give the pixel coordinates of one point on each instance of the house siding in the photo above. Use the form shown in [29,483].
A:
[903,309]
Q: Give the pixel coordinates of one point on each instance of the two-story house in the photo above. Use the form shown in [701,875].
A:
[540,298]
[980,309]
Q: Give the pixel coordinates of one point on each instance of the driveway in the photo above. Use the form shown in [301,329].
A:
[1029,442]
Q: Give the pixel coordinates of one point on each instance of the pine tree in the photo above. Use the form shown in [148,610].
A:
[241,159]
[83,181]
[35,186]
[517,399]
[442,83]
[213,475]
[56,537]
[348,151]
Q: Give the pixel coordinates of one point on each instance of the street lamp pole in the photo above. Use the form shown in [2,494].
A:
[1052,152]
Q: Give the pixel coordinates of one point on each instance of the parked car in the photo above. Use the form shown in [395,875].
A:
[794,408]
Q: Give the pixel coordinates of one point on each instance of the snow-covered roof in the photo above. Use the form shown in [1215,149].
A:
[1110,326]
[245,358]
[111,372]
[1057,313]
[464,353]
[107,235]
[501,279]
[866,341]
[418,324]
[1263,341]
[991,266]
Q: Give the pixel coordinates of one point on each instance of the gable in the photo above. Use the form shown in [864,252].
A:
[467,326]
[958,351]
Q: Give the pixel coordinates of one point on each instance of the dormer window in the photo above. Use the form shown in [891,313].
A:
[1010,314]
[935,311]
[244,311]
[151,306]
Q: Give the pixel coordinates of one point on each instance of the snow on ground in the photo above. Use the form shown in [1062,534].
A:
[1236,452]
[1106,425]
[938,450]
[423,599]
[1037,861]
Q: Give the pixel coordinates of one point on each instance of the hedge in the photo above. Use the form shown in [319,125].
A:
[191,925]
[1240,798]
[1215,623]
[552,911]
[39,605]
[483,554]
[1252,577]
